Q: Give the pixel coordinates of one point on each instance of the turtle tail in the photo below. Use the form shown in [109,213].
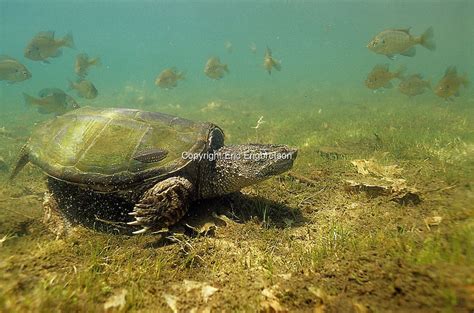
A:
[23,159]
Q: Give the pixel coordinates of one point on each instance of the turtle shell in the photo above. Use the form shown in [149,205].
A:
[99,147]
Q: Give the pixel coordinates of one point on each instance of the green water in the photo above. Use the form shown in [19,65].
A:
[318,99]
[322,45]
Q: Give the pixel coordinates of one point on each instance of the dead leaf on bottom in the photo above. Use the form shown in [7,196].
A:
[204,224]
[326,303]
[285,276]
[271,303]
[321,297]
[172,302]
[5,238]
[116,301]
[359,308]
[204,229]
[433,221]
[366,167]
[272,306]
[379,180]
[396,189]
[206,290]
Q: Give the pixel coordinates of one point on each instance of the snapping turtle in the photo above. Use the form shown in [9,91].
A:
[157,162]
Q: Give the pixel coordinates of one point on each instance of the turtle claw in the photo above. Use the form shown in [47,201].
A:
[162,205]
[134,223]
[141,231]
[139,223]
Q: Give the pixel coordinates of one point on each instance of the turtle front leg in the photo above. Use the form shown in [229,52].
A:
[162,205]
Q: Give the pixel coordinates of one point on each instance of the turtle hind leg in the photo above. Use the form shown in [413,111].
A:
[54,220]
[162,205]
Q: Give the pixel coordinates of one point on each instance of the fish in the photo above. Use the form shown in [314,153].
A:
[228,46]
[168,78]
[253,47]
[380,76]
[12,71]
[52,100]
[83,62]
[44,46]
[214,69]
[399,41]
[269,62]
[413,85]
[450,84]
[85,89]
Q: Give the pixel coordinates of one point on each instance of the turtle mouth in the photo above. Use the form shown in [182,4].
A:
[292,154]
[283,159]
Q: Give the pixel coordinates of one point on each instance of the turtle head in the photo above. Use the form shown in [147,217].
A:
[239,166]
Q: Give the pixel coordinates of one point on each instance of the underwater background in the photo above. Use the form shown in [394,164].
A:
[321,44]
[301,241]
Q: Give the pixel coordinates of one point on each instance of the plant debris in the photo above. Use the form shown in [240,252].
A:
[116,301]
[204,289]
[333,153]
[378,180]
[370,167]
[271,303]
[433,221]
[172,302]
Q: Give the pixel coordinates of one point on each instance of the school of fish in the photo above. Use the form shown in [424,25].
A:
[45,46]
[392,42]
